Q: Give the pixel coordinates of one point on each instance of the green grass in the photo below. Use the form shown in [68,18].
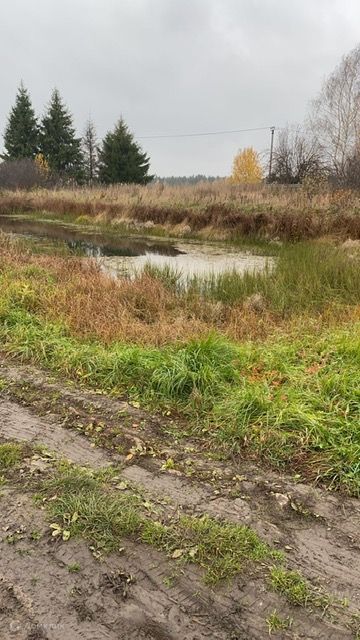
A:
[221,549]
[84,503]
[293,403]
[299,401]
[10,455]
[304,277]
[277,623]
[171,278]
[196,370]
[296,589]
[74,568]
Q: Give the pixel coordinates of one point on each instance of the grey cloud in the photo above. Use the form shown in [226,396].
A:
[176,65]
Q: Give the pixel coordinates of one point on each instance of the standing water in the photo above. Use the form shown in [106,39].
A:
[124,255]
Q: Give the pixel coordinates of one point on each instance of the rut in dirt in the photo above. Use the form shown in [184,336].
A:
[318,529]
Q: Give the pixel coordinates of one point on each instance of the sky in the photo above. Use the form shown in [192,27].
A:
[172,67]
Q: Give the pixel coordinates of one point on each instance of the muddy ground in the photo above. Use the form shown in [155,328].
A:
[140,593]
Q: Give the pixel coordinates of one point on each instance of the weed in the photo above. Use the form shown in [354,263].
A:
[83,508]
[83,503]
[23,552]
[355,625]
[305,277]
[35,535]
[10,455]
[168,581]
[277,623]
[74,568]
[168,464]
[16,536]
[296,589]
[222,549]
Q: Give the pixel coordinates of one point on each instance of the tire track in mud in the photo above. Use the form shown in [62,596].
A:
[20,424]
[323,546]
[72,607]
[76,607]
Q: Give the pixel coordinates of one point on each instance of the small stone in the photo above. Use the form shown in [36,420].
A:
[281,499]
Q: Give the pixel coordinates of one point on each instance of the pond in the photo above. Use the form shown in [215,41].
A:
[125,255]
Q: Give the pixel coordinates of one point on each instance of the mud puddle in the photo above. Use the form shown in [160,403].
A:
[119,255]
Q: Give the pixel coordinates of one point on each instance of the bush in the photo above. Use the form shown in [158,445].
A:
[21,174]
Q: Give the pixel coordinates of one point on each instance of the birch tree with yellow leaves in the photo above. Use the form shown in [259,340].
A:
[246,167]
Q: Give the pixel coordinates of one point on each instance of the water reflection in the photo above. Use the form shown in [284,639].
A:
[119,255]
[91,244]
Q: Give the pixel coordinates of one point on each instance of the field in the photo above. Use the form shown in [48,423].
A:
[213,211]
[182,454]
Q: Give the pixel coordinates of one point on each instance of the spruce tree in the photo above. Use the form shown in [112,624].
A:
[21,137]
[121,158]
[59,144]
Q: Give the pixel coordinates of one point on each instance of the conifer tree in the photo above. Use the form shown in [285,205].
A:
[21,137]
[59,144]
[91,152]
[121,158]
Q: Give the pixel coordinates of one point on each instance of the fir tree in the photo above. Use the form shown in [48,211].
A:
[21,137]
[59,144]
[121,158]
[91,152]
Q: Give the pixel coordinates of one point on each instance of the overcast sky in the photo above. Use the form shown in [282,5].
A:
[176,66]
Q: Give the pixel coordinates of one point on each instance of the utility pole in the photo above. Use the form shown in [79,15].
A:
[272,130]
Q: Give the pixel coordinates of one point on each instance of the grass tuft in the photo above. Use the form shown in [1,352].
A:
[83,506]
[83,503]
[277,623]
[296,589]
[10,455]
[221,549]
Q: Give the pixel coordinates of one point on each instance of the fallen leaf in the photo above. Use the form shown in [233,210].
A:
[121,486]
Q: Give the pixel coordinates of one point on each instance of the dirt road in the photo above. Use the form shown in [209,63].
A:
[56,590]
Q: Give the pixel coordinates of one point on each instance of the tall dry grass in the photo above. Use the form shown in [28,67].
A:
[153,310]
[216,210]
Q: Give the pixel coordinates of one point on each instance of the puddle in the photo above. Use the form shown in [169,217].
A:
[124,255]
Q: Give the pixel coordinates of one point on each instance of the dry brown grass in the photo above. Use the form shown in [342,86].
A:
[95,306]
[143,311]
[214,210]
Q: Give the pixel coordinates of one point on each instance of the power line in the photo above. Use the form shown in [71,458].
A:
[206,133]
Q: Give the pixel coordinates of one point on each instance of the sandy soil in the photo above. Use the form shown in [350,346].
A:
[129,595]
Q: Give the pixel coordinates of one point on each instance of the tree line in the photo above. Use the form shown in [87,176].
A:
[325,147]
[49,150]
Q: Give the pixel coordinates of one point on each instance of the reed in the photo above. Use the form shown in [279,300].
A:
[218,210]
